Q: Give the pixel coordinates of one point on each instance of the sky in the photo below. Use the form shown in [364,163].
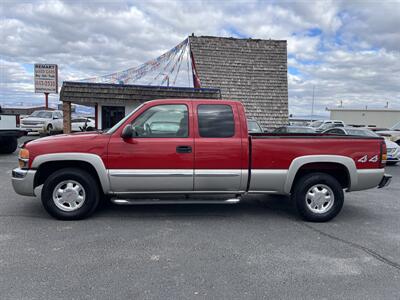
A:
[349,51]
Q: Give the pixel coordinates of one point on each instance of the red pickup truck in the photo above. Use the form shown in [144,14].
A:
[191,148]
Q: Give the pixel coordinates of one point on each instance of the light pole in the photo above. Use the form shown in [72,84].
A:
[313,101]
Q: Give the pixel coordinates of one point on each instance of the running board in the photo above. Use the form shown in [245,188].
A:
[184,201]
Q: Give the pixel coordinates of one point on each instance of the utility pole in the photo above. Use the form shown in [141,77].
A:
[313,101]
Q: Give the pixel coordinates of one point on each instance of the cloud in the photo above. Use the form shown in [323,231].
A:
[348,50]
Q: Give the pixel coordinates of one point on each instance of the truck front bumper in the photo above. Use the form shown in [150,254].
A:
[385,181]
[22,181]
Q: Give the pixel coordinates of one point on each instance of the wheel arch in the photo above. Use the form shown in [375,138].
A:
[47,163]
[330,164]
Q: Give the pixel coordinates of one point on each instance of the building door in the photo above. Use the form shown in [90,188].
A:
[111,115]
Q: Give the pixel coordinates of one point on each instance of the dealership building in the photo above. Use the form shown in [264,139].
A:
[252,71]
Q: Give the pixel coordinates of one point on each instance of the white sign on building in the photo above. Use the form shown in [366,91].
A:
[46,78]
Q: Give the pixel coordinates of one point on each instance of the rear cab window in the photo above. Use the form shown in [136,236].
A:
[215,121]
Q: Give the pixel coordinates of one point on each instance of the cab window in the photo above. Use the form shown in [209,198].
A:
[163,121]
[215,121]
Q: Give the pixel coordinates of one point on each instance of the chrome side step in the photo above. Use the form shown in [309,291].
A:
[180,201]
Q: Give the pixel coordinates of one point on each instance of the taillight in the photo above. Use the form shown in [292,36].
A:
[383,154]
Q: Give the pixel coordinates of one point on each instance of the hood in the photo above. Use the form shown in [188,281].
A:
[67,138]
[76,142]
[33,119]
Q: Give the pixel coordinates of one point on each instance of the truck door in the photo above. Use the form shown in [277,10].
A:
[159,158]
[218,148]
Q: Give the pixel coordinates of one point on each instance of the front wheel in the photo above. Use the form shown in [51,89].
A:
[49,129]
[70,194]
[318,196]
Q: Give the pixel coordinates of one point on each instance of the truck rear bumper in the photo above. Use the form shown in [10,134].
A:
[385,181]
[22,181]
[367,179]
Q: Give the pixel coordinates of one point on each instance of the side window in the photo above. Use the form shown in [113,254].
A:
[163,121]
[216,121]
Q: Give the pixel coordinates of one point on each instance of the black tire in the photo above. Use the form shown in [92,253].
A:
[391,163]
[89,185]
[8,145]
[49,129]
[304,184]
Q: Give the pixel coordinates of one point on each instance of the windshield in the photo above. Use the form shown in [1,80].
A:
[316,124]
[116,126]
[396,126]
[41,114]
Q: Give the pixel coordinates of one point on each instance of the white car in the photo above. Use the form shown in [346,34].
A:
[323,125]
[36,121]
[393,133]
[77,124]
[392,149]
[82,124]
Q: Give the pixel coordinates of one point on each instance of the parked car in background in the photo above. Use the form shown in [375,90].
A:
[82,124]
[9,133]
[36,121]
[320,126]
[254,127]
[294,129]
[393,133]
[393,149]
[55,126]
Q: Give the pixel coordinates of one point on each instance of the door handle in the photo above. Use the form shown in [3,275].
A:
[183,149]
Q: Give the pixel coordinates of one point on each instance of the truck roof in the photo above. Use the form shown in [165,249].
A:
[185,100]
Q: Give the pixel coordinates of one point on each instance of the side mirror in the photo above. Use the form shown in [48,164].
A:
[128,132]
[55,117]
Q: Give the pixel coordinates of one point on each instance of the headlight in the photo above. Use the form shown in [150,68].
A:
[23,158]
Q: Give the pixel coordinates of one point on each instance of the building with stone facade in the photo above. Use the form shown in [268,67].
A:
[249,70]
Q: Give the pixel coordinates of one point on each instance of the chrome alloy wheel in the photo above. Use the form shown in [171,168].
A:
[69,195]
[320,198]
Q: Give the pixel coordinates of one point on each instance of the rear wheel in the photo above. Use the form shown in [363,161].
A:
[8,145]
[70,194]
[318,196]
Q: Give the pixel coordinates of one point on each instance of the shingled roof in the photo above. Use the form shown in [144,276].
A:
[252,71]
[92,93]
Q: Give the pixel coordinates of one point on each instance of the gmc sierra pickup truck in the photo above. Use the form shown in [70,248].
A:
[195,149]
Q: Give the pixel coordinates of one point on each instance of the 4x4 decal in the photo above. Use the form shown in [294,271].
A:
[364,159]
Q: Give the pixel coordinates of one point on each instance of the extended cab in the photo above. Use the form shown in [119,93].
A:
[191,148]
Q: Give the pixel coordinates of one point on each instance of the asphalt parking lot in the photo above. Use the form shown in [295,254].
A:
[256,249]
